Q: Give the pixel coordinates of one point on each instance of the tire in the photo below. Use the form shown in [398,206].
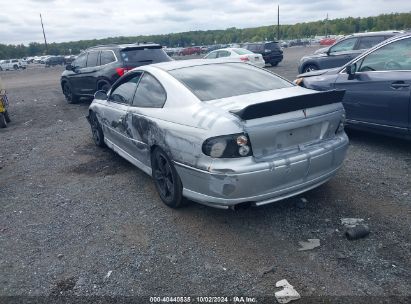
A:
[96,131]
[309,68]
[1,69]
[166,179]
[274,63]
[7,117]
[104,86]
[3,122]
[16,67]
[68,93]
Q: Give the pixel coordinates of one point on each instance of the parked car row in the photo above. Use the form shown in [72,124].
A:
[247,136]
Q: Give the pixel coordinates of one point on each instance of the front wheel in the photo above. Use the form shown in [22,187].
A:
[68,93]
[310,68]
[3,122]
[166,179]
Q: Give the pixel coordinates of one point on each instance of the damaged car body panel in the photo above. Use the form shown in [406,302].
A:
[227,145]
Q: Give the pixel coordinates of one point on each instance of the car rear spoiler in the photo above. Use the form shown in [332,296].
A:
[289,104]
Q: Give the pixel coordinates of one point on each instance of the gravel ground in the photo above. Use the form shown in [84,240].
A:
[78,220]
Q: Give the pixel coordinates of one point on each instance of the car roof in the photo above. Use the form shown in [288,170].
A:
[179,64]
[123,46]
[374,33]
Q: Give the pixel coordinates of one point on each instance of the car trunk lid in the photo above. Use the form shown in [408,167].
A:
[287,120]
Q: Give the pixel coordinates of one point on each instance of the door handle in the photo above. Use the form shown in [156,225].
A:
[399,84]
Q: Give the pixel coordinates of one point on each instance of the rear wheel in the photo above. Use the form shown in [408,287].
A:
[166,179]
[68,93]
[3,122]
[274,63]
[104,86]
[310,68]
[97,132]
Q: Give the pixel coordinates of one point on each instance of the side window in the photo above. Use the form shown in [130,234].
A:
[395,56]
[369,42]
[81,60]
[107,57]
[150,93]
[212,55]
[223,54]
[92,59]
[125,91]
[345,45]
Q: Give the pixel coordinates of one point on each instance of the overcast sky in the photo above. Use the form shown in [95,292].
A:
[70,20]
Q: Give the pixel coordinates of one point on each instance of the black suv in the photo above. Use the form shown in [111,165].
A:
[97,68]
[54,60]
[271,51]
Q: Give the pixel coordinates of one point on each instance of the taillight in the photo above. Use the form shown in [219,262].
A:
[244,58]
[122,71]
[228,146]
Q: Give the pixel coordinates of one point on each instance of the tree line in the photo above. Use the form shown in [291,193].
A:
[342,26]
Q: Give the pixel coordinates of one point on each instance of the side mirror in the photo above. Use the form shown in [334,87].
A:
[101,95]
[351,69]
[69,67]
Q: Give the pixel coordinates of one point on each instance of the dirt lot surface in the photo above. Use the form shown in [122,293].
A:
[79,220]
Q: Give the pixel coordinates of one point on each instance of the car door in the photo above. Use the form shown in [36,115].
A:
[76,74]
[378,94]
[149,98]
[339,54]
[114,122]
[89,79]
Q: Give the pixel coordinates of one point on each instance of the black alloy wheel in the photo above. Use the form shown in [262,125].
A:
[310,68]
[166,179]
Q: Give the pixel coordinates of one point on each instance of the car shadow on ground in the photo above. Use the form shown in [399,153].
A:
[376,140]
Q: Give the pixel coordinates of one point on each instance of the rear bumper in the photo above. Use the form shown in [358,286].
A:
[263,182]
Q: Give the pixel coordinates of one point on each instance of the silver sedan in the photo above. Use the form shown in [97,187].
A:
[221,133]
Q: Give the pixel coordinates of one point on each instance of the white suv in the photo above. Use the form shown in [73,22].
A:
[12,64]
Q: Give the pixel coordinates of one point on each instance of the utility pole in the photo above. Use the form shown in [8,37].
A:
[278,23]
[44,34]
[326,26]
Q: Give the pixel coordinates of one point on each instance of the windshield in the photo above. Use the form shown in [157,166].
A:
[215,81]
[138,57]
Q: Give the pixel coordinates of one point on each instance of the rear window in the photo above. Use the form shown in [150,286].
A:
[138,57]
[369,42]
[255,47]
[272,46]
[215,81]
[242,51]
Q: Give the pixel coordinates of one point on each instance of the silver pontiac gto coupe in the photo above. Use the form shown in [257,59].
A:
[221,133]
